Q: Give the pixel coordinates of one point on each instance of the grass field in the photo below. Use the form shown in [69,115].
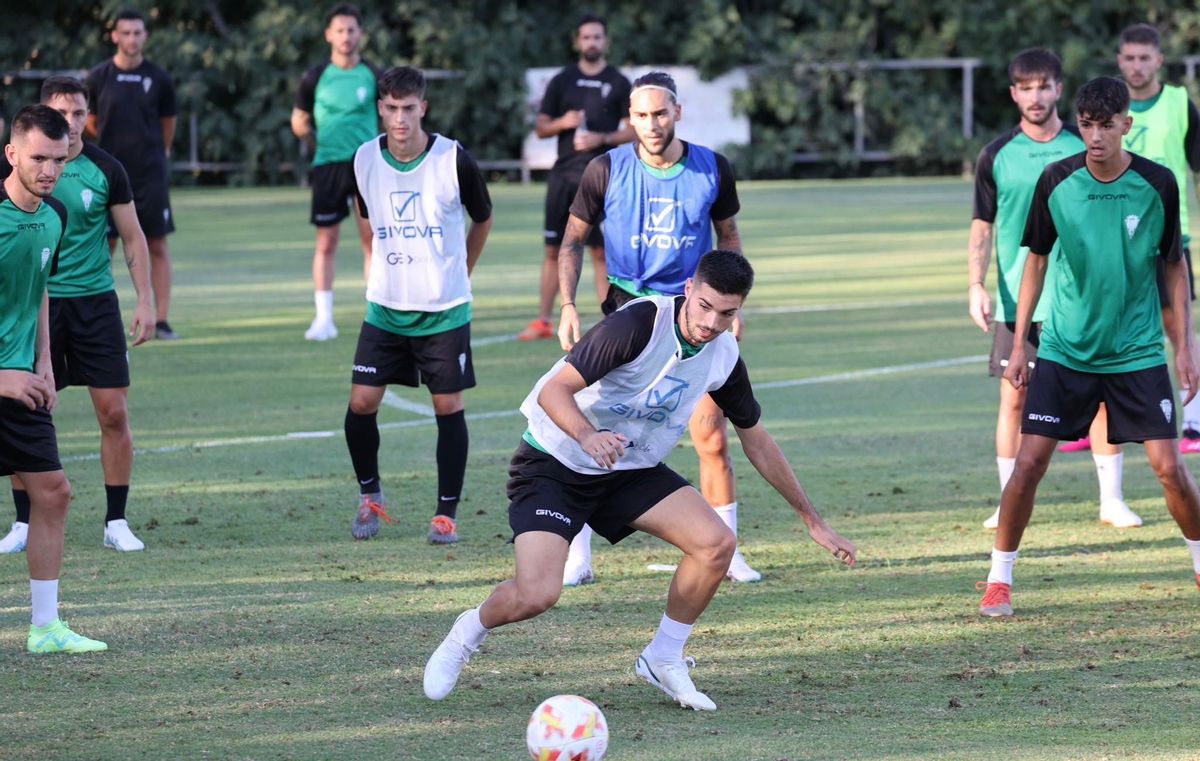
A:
[253,627]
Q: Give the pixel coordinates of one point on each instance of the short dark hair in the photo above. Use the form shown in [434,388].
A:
[44,119]
[60,84]
[726,272]
[1101,99]
[658,79]
[1035,63]
[401,81]
[129,14]
[591,18]
[1140,34]
[343,9]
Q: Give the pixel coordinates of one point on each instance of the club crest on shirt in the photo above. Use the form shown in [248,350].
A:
[45,257]
[1131,224]
[1167,407]
[362,94]
[146,82]
[86,196]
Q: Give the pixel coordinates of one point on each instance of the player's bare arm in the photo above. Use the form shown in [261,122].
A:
[168,133]
[1181,315]
[728,237]
[477,235]
[44,367]
[92,129]
[1033,278]
[137,259]
[979,255]
[302,125]
[548,126]
[570,263]
[767,458]
[557,398]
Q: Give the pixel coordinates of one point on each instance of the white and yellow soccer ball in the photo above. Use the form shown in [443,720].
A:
[567,728]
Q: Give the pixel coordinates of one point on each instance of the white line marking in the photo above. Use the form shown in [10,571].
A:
[400,403]
[492,340]
[304,435]
[850,306]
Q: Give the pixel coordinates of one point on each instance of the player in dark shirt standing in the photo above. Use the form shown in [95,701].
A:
[133,118]
[586,106]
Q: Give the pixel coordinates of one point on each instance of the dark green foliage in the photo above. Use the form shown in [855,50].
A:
[237,64]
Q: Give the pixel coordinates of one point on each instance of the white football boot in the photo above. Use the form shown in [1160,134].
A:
[118,536]
[1116,513]
[672,678]
[321,330]
[447,662]
[994,521]
[740,571]
[16,539]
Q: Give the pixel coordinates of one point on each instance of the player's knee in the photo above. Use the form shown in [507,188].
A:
[536,598]
[718,550]
[1029,469]
[113,418]
[363,404]
[713,445]
[53,499]
[1172,473]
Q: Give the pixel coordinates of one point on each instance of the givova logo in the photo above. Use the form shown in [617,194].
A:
[667,394]
[404,205]
[662,217]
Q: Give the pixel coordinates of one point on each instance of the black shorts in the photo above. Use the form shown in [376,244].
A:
[1164,298]
[87,342]
[152,202]
[27,440]
[561,187]
[546,495]
[616,298]
[441,361]
[333,190]
[1002,346]
[1060,403]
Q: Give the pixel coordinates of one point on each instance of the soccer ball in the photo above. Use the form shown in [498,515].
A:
[567,728]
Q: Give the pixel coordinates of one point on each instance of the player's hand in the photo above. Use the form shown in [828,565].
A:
[570,120]
[1186,371]
[141,329]
[842,548]
[979,306]
[739,325]
[1017,372]
[30,389]
[587,141]
[605,447]
[568,327]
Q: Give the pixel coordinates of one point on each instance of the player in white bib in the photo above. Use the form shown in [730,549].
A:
[417,190]
[601,421]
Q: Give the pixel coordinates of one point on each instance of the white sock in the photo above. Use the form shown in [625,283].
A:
[1002,565]
[324,300]
[44,594]
[1191,412]
[580,553]
[1006,466]
[470,629]
[1110,469]
[728,515]
[668,642]
[1194,548]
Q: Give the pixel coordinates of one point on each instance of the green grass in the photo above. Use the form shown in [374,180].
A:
[253,627]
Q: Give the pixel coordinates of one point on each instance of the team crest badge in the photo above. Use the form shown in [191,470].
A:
[1131,224]
[462,363]
[1166,407]
[45,257]
[86,196]
[146,83]
[362,94]
[605,90]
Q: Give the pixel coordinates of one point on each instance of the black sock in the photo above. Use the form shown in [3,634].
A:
[21,500]
[117,497]
[362,439]
[451,461]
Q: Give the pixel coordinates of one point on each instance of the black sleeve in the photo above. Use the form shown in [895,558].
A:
[167,104]
[625,89]
[94,81]
[119,189]
[552,99]
[727,203]
[306,94]
[614,341]
[985,187]
[1191,141]
[1170,246]
[1040,232]
[736,398]
[472,188]
[589,199]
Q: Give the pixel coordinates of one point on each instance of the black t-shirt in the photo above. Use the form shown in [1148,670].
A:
[604,99]
[589,199]
[129,105]
[472,187]
[622,336]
